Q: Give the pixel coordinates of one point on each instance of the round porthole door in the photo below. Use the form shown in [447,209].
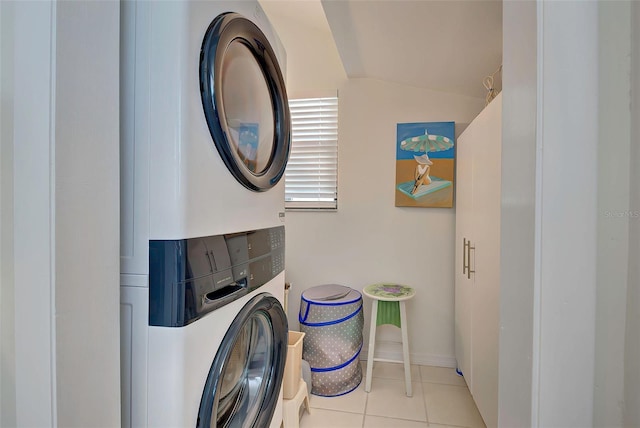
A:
[245,101]
[244,381]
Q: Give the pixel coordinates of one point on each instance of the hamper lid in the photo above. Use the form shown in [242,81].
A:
[331,294]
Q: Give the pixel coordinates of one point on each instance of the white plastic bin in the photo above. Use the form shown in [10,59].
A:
[292,367]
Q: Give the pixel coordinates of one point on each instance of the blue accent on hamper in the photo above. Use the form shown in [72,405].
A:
[318,302]
[326,323]
[315,302]
[306,314]
[342,393]
[338,367]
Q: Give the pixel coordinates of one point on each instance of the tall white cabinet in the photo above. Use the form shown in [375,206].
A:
[477,278]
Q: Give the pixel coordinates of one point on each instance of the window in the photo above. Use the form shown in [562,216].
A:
[311,176]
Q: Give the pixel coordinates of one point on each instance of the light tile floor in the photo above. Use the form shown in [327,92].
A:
[440,399]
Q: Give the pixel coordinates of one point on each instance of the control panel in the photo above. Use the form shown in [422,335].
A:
[189,278]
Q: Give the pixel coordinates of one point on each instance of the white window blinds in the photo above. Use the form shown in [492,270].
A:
[311,176]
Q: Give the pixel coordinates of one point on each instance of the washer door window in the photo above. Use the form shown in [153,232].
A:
[245,101]
[244,381]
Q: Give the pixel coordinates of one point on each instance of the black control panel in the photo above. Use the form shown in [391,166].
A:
[189,278]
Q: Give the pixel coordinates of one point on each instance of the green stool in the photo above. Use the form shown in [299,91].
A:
[388,307]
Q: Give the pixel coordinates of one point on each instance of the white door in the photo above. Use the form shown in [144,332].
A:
[485,261]
[478,175]
[463,280]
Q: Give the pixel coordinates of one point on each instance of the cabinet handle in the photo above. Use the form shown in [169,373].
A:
[464,256]
[469,248]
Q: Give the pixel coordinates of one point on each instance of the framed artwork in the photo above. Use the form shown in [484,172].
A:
[425,156]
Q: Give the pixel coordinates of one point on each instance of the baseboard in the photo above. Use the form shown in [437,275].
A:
[389,350]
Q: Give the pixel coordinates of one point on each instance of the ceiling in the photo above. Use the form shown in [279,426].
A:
[448,45]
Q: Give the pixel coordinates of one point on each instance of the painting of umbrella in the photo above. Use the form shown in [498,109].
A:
[425,164]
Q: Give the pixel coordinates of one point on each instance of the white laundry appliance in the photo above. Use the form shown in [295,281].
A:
[205,135]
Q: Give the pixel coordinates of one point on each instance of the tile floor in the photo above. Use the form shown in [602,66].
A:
[440,399]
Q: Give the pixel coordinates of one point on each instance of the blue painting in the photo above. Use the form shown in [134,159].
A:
[425,156]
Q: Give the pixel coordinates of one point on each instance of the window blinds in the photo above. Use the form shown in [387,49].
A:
[311,174]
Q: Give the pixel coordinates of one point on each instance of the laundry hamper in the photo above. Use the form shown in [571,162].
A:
[331,318]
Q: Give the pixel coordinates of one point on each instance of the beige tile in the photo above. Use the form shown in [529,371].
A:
[388,399]
[441,375]
[380,422]
[441,426]
[320,418]
[393,371]
[353,402]
[451,405]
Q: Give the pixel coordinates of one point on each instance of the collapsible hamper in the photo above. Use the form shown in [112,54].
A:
[331,318]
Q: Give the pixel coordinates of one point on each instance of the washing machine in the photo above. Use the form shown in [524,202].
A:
[205,135]
[204,345]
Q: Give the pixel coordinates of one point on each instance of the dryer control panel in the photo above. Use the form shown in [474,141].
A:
[189,278]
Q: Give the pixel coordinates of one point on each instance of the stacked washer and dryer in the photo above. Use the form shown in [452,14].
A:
[205,135]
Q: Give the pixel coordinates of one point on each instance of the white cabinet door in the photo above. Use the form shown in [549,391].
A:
[463,281]
[478,222]
[485,262]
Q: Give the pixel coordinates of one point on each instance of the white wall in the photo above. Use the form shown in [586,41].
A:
[87,226]
[548,358]
[59,214]
[28,326]
[631,415]
[563,336]
[368,239]
[518,213]
[314,68]
[613,205]
[567,201]
[7,314]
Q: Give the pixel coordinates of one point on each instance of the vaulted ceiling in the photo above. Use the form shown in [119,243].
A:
[449,45]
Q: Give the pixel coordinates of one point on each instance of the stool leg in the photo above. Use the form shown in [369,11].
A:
[372,342]
[405,349]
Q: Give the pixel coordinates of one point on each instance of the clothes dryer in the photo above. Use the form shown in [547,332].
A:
[205,124]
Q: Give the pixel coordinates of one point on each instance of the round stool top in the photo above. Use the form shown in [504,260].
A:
[389,292]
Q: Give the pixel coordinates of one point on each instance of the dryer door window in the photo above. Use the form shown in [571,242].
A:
[245,101]
[248,110]
[244,381]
